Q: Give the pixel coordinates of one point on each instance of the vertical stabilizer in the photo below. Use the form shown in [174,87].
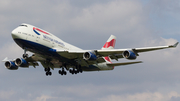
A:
[110,44]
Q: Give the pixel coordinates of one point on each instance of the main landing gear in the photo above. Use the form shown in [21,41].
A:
[72,71]
[63,72]
[77,70]
[48,72]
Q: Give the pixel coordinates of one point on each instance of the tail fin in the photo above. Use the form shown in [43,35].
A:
[109,45]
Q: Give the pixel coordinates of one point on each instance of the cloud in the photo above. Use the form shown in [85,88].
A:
[146,96]
[43,98]
[6,95]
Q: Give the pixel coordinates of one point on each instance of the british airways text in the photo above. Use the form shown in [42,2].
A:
[50,39]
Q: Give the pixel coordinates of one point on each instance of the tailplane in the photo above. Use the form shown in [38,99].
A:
[124,63]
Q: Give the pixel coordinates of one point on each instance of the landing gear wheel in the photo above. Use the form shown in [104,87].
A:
[70,71]
[65,73]
[45,69]
[50,73]
[59,71]
[47,73]
[73,71]
[80,71]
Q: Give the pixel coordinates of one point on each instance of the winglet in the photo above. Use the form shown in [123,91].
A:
[174,44]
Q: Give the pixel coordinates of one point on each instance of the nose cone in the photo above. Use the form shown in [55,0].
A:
[14,33]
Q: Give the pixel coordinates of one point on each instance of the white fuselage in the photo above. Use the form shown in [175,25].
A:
[37,40]
[43,38]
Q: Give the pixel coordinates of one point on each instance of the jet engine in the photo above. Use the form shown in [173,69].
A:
[11,65]
[21,62]
[129,55]
[90,56]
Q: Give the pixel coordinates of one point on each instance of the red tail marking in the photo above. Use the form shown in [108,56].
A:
[107,58]
[108,44]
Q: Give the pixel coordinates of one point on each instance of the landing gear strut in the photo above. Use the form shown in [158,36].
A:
[25,55]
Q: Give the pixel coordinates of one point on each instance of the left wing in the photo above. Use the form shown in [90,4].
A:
[112,53]
[135,50]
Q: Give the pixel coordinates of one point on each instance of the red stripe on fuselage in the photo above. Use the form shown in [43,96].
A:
[40,30]
[111,43]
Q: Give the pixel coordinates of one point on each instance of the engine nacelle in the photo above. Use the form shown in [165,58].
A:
[21,62]
[90,56]
[11,65]
[129,55]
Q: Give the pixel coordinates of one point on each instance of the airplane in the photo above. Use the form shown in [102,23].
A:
[53,52]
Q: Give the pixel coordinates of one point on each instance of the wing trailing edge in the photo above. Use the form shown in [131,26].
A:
[124,63]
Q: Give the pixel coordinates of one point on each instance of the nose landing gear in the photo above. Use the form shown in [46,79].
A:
[25,55]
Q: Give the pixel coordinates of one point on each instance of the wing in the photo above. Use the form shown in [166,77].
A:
[136,50]
[112,53]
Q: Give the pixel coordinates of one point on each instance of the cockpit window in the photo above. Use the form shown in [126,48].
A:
[23,25]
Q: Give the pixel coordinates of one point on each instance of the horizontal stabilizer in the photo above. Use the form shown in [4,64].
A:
[125,63]
[6,59]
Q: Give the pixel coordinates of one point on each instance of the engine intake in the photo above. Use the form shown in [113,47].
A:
[21,62]
[11,65]
[129,55]
[90,56]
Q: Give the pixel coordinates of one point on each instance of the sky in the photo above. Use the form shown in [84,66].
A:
[88,24]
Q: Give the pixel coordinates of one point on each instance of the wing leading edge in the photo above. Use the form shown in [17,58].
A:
[111,52]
